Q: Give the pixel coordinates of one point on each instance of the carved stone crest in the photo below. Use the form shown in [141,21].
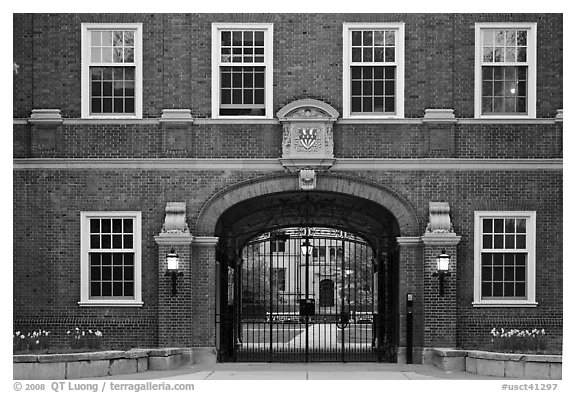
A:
[308,137]
[307,140]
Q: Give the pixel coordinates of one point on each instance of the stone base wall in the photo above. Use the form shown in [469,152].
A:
[506,365]
[99,364]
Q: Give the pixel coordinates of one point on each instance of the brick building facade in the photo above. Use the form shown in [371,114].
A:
[460,135]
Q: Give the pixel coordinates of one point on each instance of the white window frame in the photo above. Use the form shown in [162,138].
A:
[530,62]
[530,300]
[399,93]
[85,68]
[268,63]
[85,262]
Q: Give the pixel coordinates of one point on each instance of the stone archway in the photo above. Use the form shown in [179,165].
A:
[207,252]
[384,196]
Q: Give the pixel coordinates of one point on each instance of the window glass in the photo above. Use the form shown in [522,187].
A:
[503,258]
[372,86]
[242,72]
[111,258]
[505,71]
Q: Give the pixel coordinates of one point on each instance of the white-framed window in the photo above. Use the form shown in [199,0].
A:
[505,70]
[111,70]
[111,265]
[504,259]
[242,70]
[373,73]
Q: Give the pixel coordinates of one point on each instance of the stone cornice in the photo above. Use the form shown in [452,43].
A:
[342,121]
[439,116]
[176,116]
[273,164]
[46,117]
[173,239]
[409,241]
[205,241]
[440,239]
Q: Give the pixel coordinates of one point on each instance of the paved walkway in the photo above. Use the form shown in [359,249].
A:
[303,371]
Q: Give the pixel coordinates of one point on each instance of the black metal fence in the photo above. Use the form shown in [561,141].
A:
[307,295]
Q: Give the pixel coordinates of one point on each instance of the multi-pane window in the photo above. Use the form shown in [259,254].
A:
[374,70]
[112,62]
[506,74]
[505,256]
[110,258]
[242,71]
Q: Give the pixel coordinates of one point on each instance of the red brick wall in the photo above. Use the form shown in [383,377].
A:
[307,59]
[265,141]
[47,207]
[307,64]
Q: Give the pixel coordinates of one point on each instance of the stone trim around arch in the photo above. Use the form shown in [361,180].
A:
[385,196]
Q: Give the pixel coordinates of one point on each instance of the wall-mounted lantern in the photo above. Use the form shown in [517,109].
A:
[442,266]
[173,261]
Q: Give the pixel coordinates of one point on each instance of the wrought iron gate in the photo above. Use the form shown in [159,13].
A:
[307,295]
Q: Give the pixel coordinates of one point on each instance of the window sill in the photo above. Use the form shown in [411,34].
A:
[236,120]
[110,303]
[506,117]
[504,303]
[379,120]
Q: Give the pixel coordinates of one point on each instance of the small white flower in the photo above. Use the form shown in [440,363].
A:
[37,341]
[543,332]
[68,332]
[83,333]
[90,331]
[22,337]
[18,333]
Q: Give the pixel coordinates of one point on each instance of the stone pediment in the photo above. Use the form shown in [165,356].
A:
[307,141]
[307,110]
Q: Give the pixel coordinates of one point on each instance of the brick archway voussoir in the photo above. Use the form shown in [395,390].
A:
[225,199]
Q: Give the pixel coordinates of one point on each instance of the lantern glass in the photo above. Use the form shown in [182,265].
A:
[173,262]
[443,262]
[306,248]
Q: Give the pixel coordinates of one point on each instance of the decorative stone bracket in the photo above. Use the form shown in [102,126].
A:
[439,221]
[307,141]
[175,220]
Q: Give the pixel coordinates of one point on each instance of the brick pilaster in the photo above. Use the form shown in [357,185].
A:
[409,277]
[174,311]
[204,292]
[440,318]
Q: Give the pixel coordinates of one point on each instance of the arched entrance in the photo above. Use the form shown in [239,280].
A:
[252,215]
